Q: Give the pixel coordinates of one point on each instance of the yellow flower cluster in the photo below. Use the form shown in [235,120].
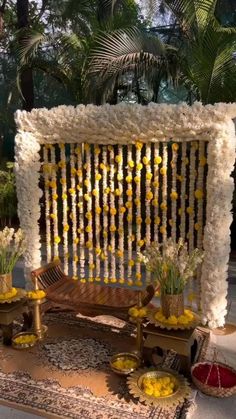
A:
[25,339]
[36,295]
[158,387]
[9,294]
[124,364]
[184,319]
[137,312]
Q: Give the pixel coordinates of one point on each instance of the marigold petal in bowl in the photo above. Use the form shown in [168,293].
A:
[124,363]
[24,340]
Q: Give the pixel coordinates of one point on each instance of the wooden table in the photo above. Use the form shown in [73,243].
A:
[183,342]
[8,313]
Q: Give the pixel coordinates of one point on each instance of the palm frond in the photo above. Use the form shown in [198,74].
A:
[29,44]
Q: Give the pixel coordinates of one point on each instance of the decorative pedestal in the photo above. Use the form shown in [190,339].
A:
[38,327]
[181,341]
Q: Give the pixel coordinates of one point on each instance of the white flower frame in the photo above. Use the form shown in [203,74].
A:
[124,123]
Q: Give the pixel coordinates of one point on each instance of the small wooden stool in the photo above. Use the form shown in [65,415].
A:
[8,313]
[183,342]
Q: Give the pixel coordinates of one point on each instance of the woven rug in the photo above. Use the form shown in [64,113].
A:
[68,375]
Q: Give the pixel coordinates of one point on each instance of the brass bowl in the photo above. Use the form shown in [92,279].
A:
[125,355]
[16,345]
[158,374]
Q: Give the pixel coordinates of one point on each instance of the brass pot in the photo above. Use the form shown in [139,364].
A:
[172,305]
[5,283]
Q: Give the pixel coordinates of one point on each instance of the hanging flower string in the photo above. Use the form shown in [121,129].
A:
[88,214]
[163,205]
[48,202]
[113,212]
[148,199]
[137,179]
[122,210]
[155,201]
[182,209]
[80,231]
[199,193]
[98,210]
[63,181]
[174,194]
[129,205]
[72,215]
[54,214]
[104,256]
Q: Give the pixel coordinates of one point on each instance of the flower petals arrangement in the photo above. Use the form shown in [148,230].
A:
[36,295]
[12,246]
[203,139]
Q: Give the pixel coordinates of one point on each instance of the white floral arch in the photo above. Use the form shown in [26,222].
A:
[124,123]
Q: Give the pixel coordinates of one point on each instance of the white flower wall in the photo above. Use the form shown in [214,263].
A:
[123,124]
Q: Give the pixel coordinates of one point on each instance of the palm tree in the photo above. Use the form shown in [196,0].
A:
[206,53]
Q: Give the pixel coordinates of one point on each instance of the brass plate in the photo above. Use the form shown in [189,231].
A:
[126,355]
[182,389]
[24,345]
[191,325]
[21,293]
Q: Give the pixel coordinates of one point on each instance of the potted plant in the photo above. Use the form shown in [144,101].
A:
[172,266]
[12,246]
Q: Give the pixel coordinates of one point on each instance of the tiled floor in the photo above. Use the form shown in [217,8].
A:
[206,407]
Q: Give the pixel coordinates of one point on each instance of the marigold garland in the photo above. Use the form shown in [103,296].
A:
[47,205]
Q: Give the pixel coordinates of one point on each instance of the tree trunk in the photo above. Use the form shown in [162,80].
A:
[26,76]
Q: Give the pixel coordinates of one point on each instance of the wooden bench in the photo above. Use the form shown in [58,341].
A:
[89,299]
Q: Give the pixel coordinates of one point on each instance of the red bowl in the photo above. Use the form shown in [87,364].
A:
[214,378]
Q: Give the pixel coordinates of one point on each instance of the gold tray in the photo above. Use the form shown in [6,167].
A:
[182,389]
[24,345]
[21,293]
[130,355]
[191,325]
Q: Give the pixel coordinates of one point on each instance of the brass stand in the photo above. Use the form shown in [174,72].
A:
[38,327]
[139,329]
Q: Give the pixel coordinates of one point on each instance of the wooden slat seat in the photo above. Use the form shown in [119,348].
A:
[86,298]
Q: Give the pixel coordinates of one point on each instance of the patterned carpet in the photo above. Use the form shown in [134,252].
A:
[68,375]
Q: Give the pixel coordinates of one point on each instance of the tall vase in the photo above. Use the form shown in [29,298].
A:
[5,283]
[172,305]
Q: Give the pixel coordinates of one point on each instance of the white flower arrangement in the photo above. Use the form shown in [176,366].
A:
[12,246]
[124,124]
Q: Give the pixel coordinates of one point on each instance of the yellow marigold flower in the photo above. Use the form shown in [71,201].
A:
[163,206]
[48,184]
[140,243]
[163,170]
[149,195]
[118,158]
[198,194]
[132,237]
[79,172]
[109,248]
[108,168]
[110,147]
[95,192]
[98,251]
[131,262]
[175,147]
[155,183]
[148,220]
[62,164]
[170,222]
[128,179]
[186,161]
[79,230]
[180,178]
[137,202]
[53,184]
[202,161]
[120,230]
[119,176]
[89,244]
[145,160]
[113,211]
[88,215]
[139,166]
[71,216]
[121,281]
[130,282]
[49,204]
[107,190]
[98,176]
[71,191]
[98,210]
[128,204]
[62,146]
[76,240]
[97,150]
[102,166]
[162,229]
[103,257]
[77,150]
[157,160]
[73,171]
[138,145]
[129,218]
[75,258]
[57,240]
[53,216]
[137,179]
[55,196]
[92,266]
[189,210]
[80,205]
[138,275]
[149,176]
[87,197]
[122,210]
[180,211]
[118,192]
[197,226]
[112,228]
[174,195]
[106,208]
[86,146]
[155,202]
[157,220]
[129,192]
[86,182]
[63,181]
[66,227]
[139,220]
[131,163]
[119,253]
